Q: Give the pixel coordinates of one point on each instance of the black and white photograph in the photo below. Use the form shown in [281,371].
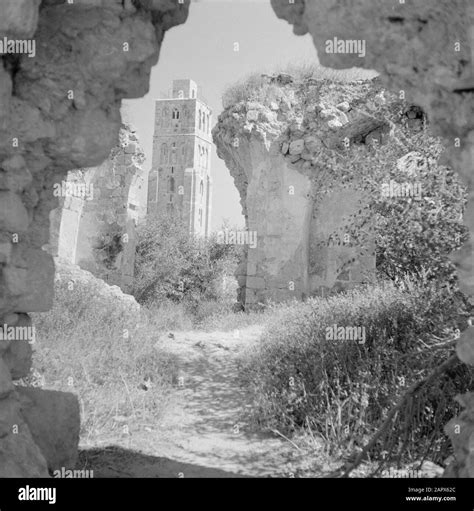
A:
[236,243]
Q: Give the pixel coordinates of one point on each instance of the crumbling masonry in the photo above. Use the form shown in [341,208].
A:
[59,111]
[94,226]
[425,49]
[278,149]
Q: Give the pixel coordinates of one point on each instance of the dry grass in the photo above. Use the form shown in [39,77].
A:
[342,390]
[254,87]
[110,358]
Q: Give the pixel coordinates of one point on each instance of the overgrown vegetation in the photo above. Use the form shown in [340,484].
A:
[255,87]
[412,235]
[342,390]
[174,270]
[107,354]
[412,312]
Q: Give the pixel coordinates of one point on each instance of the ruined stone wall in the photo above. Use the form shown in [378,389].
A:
[59,110]
[425,49]
[95,223]
[279,149]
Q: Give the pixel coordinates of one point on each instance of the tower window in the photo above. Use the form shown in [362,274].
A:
[172,170]
[171,184]
[175,114]
[164,153]
[173,153]
[200,218]
[208,123]
[200,120]
[201,188]
[193,93]
[201,156]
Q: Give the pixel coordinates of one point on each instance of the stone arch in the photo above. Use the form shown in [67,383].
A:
[438,78]
[96,231]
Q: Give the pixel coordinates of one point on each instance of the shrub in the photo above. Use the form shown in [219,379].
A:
[172,265]
[343,390]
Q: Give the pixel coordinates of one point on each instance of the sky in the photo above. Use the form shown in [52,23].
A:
[203,49]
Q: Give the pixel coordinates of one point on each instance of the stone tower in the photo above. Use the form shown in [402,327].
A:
[180,182]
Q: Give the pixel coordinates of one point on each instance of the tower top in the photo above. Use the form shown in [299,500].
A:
[185,89]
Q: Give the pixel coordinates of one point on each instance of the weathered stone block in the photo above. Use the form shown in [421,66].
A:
[251,268]
[18,358]
[313,143]
[297,147]
[255,282]
[15,280]
[343,106]
[13,214]
[6,385]
[19,455]
[131,148]
[40,278]
[5,95]
[17,177]
[54,422]
[19,18]
[5,252]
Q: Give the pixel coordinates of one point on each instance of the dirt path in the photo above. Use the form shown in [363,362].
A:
[207,432]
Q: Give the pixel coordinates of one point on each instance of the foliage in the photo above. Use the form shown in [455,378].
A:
[172,265]
[413,235]
[342,390]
